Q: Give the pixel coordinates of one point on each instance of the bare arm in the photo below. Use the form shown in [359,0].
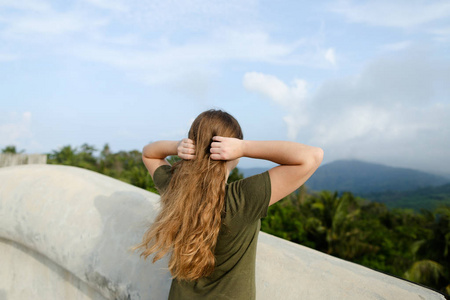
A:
[297,161]
[154,154]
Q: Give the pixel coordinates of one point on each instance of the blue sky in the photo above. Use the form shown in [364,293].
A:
[366,80]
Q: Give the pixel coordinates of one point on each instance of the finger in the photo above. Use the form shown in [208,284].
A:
[188,151]
[214,150]
[188,142]
[215,145]
[187,156]
[188,148]
[215,157]
[217,138]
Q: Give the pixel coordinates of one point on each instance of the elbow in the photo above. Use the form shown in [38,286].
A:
[318,155]
[315,157]
[143,158]
[144,153]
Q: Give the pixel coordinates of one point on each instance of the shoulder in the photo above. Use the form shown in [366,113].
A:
[162,176]
[250,197]
[253,184]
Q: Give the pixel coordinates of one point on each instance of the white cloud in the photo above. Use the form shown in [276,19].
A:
[166,62]
[182,43]
[276,90]
[191,66]
[267,85]
[114,5]
[51,24]
[295,120]
[396,46]
[441,34]
[352,123]
[291,98]
[28,5]
[393,112]
[330,56]
[401,14]
[396,111]
[197,15]
[400,136]
[33,22]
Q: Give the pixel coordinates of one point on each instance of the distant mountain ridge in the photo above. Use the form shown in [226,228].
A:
[363,178]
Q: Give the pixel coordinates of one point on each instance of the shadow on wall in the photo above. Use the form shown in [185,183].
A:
[125,217]
[82,222]
[3,295]
[54,274]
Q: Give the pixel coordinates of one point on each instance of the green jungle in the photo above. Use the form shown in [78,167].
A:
[400,242]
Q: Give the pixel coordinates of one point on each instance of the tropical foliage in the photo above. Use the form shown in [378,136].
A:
[404,243]
[123,165]
[428,197]
[11,149]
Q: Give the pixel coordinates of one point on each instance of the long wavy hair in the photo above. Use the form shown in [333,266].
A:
[192,206]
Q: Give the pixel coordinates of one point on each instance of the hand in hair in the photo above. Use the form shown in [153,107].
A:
[297,162]
[186,149]
[225,148]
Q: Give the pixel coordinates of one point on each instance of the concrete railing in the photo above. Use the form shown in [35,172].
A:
[12,159]
[65,234]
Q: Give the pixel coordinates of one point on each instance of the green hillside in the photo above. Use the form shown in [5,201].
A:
[395,187]
[363,178]
[424,198]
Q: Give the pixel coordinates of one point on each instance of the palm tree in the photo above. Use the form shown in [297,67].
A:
[332,222]
[433,269]
[65,156]
[426,272]
[11,149]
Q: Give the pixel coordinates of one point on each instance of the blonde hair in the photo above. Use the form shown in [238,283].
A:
[192,206]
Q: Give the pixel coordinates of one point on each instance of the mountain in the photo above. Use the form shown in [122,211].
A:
[363,178]
[252,171]
[396,187]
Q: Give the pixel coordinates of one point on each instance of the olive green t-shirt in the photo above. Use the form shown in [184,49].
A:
[246,202]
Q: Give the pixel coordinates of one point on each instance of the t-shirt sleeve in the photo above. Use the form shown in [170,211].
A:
[161,177]
[250,197]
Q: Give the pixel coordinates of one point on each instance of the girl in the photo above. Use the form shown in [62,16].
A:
[210,228]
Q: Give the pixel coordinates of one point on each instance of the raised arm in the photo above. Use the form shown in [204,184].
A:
[297,161]
[154,154]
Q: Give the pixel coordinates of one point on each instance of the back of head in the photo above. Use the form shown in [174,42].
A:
[193,204]
[209,124]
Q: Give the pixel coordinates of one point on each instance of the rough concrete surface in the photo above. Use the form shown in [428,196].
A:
[65,233]
[12,159]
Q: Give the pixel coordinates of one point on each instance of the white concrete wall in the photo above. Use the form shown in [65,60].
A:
[26,274]
[9,159]
[65,234]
